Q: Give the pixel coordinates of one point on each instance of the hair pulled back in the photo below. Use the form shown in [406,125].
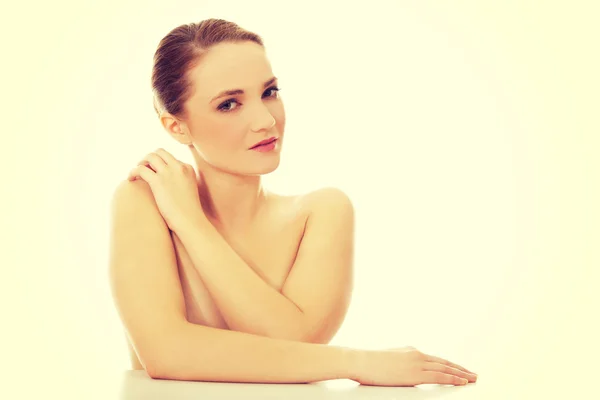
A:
[179,51]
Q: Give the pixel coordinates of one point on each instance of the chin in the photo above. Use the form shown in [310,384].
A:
[259,168]
[264,169]
[253,168]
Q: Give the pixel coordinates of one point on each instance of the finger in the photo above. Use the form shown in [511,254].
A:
[133,174]
[434,366]
[166,156]
[431,358]
[441,378]
[154,161]
[143,172]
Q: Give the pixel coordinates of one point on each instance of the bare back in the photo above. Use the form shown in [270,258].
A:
[270,249]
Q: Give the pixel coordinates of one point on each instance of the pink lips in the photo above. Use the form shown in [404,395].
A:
[265,148]
[264,142]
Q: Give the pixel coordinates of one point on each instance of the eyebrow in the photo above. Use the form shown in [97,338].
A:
[240,91]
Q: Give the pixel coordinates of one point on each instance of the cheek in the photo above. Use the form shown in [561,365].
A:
[278,113]
[228,133]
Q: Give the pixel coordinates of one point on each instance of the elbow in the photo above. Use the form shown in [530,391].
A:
[160,361]
[168,369]
[154,373]
[151,360]
[157,367]
[158,374]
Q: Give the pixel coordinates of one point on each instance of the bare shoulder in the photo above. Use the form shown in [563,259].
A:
[325,201]
[133,196]
[126,191]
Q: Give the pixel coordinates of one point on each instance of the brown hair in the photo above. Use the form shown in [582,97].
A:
[180,51]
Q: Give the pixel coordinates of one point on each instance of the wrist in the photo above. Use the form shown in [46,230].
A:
[191,224]
[352,362]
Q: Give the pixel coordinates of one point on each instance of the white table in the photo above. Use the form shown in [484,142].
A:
[138,385]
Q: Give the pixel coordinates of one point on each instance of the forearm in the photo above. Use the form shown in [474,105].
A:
[247,303]
[201,353]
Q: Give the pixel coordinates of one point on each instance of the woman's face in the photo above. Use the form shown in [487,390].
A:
[224,126]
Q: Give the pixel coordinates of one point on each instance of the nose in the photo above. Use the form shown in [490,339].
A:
[264,121]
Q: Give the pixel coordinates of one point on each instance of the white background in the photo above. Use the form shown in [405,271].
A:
[466,134]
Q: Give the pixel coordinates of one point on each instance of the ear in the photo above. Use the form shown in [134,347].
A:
[176,128]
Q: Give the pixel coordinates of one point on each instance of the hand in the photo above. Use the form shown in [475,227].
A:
[408,367]
[174,186]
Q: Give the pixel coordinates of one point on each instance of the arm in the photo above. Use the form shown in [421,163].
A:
[210,354]
[147,292]
[314,299]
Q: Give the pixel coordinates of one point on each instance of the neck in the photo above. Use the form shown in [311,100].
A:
[229,201]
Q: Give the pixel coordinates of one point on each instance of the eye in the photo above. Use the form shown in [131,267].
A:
[223,107]
[274,89]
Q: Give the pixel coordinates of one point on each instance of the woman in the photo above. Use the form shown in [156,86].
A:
[216,278]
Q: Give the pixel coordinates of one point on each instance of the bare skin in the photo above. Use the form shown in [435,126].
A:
[300,245]
[265,229]
[269,247]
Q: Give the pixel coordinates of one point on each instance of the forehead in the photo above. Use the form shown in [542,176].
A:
[230,66]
